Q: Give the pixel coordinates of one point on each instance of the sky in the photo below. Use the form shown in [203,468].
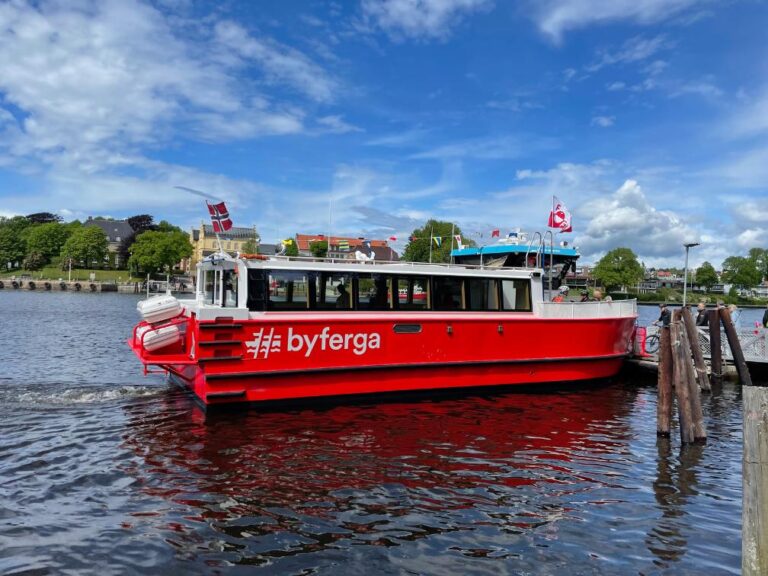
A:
[648,119]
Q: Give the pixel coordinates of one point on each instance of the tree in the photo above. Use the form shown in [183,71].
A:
[13,245]
[291,248]
[742,272]
[157,251]
[760,257]
[706,276]
[46,240]
[250,247]
[319,248]
[141,222]
[166,226]
[86,246]
[418,247]
[34,261]
[43,218]
[618,268]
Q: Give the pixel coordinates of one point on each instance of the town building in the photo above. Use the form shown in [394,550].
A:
[204,243]
[116,231]
[345,246]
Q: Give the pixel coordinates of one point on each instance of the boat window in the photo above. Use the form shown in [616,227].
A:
[482,294]
[332,291]
[373,292]
[516,295]
[448,293]
[208,283]
[230,288]
[288,290]
[413,293]
[256,286]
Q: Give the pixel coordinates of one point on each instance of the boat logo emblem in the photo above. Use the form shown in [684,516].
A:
[266,341]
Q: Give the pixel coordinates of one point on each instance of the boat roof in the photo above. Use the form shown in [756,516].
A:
[515,249]
[342,266]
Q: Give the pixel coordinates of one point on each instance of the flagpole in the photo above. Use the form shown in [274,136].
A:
[431,239]
[453,229]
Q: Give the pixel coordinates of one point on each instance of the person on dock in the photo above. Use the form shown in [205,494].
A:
[562,294]
[665,316]
[702,319]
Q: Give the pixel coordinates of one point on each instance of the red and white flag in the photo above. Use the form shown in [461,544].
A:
[495,233]
[393,238]
[559,217]
[219,217]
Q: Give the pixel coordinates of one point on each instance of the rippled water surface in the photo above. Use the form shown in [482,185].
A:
[104,471]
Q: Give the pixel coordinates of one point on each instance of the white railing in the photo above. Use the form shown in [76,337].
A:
[599,309]
[754,343]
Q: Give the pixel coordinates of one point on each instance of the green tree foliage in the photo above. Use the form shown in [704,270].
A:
[742,272]
[418,247]
[13,245]
[141,223]
[706,276]
[319,249]
[155,251]
[292,249]
[47,240]
[618,268]
[166,226]
[250,247]
[87,247]
[34,261]
[760,257]
[43,218]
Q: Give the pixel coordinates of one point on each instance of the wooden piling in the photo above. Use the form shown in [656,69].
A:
[665,375]
[694,394]
[679,360]
[698,357]
[733,341]
[754,540]
[715,346]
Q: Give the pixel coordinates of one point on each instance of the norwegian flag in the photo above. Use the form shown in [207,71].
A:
[560,217]
[219,217]
[495,233]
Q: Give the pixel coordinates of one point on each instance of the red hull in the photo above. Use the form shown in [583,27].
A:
[284,356]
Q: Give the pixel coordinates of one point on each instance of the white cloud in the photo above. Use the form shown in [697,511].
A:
[751,118]
[336,125]
[752,237]
[95,83]
[748,169]
[633,50]
[626,218]
[420,19]
[491,148]
[603,121]
[555,17]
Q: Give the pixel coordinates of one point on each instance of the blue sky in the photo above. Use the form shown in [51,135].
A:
[647,118]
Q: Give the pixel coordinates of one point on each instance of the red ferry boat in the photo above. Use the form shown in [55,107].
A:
[280,329]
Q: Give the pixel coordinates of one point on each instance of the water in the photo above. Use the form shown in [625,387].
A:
[104,471]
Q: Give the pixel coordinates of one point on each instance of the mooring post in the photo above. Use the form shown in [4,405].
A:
[679,359]
[698,357]
[715,346]
[733,341]
[754,519]
[665,375]
[694,394]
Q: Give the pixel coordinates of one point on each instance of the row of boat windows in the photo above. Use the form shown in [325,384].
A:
[301,290]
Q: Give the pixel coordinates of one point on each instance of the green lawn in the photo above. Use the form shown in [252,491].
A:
[54,273]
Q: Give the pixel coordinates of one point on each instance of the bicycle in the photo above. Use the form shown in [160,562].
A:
[652,343]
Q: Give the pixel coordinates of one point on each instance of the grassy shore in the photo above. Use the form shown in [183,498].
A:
[54,273]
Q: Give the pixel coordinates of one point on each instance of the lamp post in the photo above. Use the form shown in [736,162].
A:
[685,273]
